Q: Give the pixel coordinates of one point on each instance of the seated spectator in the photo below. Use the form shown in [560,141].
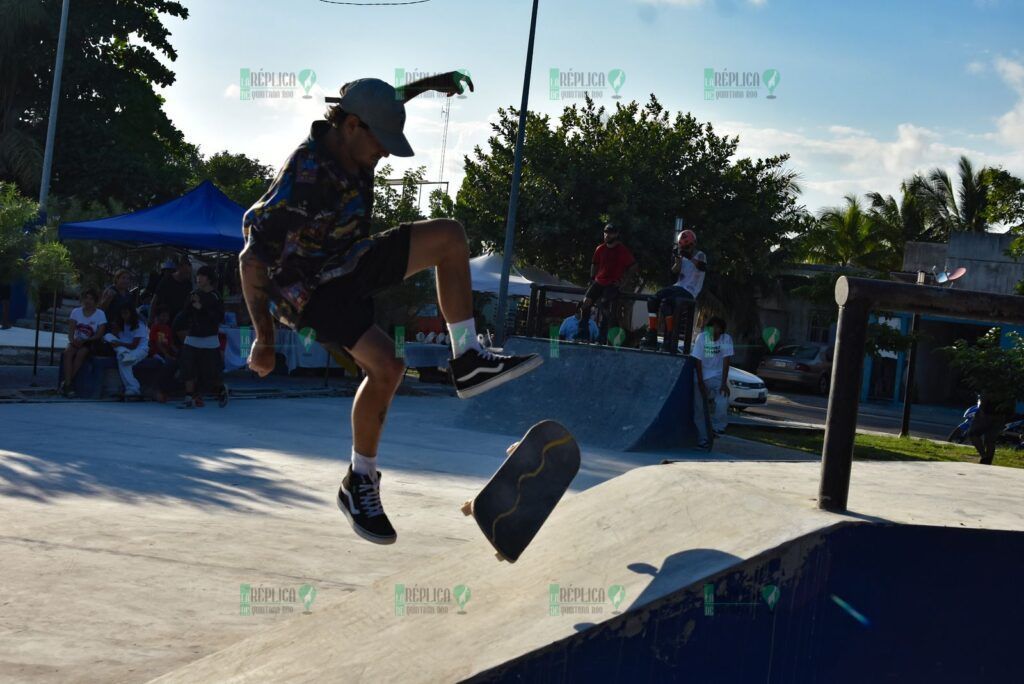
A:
[201,362]
[712,353]
[570,329]
[117,295]
[162,343]
[145,305]
[170,378]
[87,324]
[130,341]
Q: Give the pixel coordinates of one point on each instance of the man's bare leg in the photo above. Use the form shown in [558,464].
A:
[441,243]
[375,354]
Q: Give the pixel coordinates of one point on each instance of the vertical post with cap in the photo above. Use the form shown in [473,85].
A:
[843,400]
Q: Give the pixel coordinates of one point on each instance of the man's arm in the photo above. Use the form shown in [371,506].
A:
[725,375]
[450,84]
[255,288]
[630,270]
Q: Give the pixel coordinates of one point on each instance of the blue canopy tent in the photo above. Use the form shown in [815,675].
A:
[201,219]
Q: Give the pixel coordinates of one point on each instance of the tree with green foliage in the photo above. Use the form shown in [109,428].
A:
[639,167]
[113,139]
[962,207]
[994,371]
[849,237]
[242,179]
[16,213]
[909,219]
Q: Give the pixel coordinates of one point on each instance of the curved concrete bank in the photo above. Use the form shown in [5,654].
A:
[646,541]
[617,398]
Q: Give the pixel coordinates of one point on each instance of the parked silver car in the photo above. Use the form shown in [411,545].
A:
[808,364]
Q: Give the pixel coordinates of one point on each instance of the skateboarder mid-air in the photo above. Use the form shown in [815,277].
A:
[311,262]
[612,265]
[689,264]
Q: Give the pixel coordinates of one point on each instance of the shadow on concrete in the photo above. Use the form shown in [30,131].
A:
[678,570]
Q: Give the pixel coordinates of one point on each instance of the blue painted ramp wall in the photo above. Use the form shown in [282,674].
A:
[857,602]
[609,397]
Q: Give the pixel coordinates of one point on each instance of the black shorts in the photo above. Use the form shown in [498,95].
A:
[596,292]
[204,366]
[341,310]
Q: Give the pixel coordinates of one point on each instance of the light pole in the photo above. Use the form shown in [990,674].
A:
[51,124]
[513,200]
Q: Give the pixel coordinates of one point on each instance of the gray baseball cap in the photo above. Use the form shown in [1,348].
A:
[378,106]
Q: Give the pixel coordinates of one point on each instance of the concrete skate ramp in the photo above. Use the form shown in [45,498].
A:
[610,397]
[613,588]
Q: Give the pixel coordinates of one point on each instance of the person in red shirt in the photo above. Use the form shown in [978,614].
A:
[161,338]
[612,264]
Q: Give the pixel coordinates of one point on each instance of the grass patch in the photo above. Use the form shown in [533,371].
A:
[877,447]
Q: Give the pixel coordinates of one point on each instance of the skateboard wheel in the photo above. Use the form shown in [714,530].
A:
[511,447]
[500,557]
[467,508]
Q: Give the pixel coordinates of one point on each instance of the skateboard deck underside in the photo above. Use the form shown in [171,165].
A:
[519,497]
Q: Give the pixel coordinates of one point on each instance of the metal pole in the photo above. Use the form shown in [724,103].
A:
[513,200]
[843,401]
[51,124]
[53,326]
[908,382]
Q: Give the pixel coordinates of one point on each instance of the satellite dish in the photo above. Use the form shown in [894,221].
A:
[943,278]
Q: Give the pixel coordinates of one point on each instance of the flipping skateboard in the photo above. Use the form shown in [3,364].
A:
[706,404]
[517,500]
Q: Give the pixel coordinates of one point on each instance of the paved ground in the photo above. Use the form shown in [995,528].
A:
[934,422]
[652,531]
[127,529]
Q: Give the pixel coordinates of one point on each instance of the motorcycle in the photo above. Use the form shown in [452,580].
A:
[959,433]
[1013,431]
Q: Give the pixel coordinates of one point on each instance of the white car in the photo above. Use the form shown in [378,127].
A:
[745,389]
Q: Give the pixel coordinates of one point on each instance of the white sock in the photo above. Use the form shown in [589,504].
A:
[463,336]
[364,465]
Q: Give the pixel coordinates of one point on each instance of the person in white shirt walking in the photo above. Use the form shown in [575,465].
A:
[675,303]
[712,352]
[130,341]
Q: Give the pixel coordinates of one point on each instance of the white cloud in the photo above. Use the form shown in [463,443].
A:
[1010,125]
[975,67]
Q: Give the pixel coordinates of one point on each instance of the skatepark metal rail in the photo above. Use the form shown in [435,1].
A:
[856,298]
[539,298]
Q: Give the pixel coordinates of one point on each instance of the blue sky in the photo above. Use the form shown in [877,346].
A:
[868,92]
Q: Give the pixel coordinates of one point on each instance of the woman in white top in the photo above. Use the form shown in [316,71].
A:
[130,341]
[86,327]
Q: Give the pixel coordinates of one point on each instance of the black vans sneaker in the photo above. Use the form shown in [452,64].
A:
[478,371]
[359,500]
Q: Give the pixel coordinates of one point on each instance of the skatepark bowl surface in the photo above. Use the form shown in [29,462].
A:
[619,398]
[696,572]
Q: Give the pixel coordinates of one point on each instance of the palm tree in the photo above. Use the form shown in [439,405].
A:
[962,209]
[847,236]
[912,218]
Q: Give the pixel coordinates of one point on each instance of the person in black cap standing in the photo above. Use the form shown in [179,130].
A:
[310,261]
